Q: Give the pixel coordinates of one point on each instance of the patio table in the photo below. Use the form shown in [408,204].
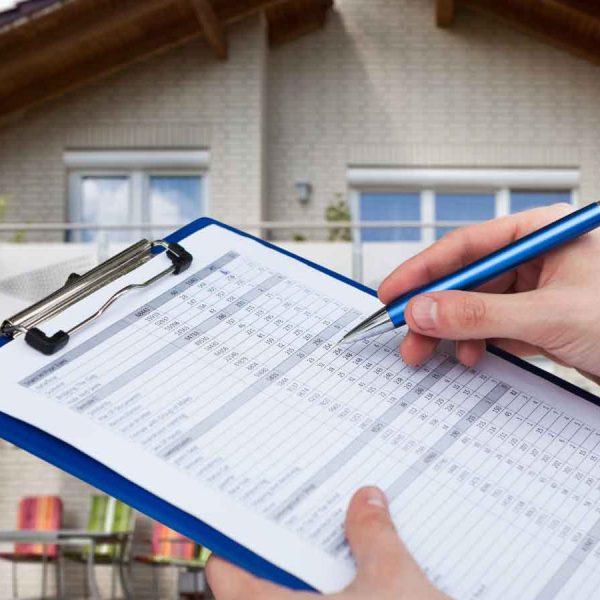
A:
[76,537]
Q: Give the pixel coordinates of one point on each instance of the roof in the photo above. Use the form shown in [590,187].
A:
[573,25]
[64,44]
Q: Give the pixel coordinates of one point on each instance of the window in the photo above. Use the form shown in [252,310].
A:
[105,200]
[447,196]
[459,207]
[390,207]
[127,188]
[462,207]
[525,200]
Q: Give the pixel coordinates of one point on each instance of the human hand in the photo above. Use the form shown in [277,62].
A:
[550,306]
[385,569]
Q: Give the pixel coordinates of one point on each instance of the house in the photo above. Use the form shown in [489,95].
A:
[265,113]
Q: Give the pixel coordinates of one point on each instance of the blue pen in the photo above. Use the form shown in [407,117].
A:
[527,248]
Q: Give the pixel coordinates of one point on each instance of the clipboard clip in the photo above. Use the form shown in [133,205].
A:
[78,287]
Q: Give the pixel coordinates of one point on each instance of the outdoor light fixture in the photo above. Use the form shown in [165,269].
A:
[304,190]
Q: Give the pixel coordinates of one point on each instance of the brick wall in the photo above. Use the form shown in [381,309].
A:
[183,99]
[381,85]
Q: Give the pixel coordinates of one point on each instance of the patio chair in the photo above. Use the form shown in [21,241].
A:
[37,513]
[108,515]
[204,556]
[173,550]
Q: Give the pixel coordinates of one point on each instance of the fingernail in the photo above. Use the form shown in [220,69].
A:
[375,497]
[424,312]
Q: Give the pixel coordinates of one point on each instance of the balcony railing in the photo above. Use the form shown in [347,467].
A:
[271,225]
[359,252]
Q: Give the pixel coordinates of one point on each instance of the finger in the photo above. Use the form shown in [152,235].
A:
[416,348]
[385,568]
[469,352]
[380,555]
[229,582]
[463,246]
[528,317]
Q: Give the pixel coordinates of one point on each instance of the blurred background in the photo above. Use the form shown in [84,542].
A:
[354,133]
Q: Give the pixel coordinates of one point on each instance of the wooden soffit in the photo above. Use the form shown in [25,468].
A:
[46,52]
[573,25]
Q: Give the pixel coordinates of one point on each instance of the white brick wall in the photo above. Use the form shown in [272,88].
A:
[185,98]
[381,85]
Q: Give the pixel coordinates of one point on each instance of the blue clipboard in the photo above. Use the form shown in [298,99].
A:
[73,461]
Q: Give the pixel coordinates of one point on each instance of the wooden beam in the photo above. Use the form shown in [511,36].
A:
[211,26]
[590,7]
[170,35]
[558,23]
[231,11]
[70,34]
[290,21]
[444,13]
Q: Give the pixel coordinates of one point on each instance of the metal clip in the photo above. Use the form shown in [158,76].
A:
[78,287]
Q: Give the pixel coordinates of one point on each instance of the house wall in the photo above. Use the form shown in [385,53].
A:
[182,99]
[382,85]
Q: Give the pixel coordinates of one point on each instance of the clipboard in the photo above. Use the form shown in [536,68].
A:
[73,461]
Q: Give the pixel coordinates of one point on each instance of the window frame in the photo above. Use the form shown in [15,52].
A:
[138,167]
[431,181]
[428,195]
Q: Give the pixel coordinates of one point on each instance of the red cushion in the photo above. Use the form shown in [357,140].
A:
[39,513]
[168,544]
[17,557]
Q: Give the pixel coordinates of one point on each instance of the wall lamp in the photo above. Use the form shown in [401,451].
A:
[304,191]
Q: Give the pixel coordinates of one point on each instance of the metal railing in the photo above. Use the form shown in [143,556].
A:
[261,225]
[264,229]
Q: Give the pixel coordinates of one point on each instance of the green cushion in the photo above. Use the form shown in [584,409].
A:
[108,515]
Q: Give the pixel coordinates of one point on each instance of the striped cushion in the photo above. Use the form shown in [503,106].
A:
[168,544]
[39,513]
[108,515]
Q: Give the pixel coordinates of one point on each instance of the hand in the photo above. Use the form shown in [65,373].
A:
[548,306]
[385,569]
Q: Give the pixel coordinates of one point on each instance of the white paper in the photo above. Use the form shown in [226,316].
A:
[222,391]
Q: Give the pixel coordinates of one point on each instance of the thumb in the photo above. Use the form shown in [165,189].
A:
[383,562]
[476,316]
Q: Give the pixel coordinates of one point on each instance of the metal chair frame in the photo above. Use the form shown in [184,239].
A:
[59,574]
[155,566]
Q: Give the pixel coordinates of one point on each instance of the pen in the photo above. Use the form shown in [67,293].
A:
[489,267]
